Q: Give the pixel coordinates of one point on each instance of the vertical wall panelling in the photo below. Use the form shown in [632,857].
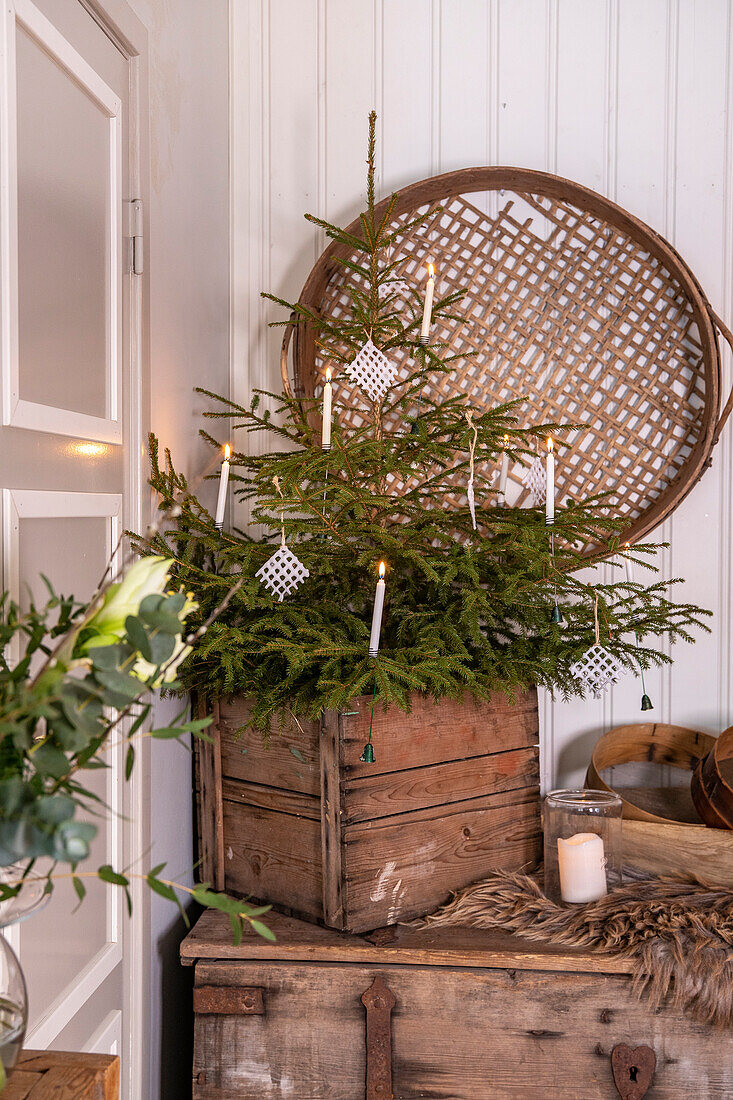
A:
[407,110]
[630,97]
[697,212]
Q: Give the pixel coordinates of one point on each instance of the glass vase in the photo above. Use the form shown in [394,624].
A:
[13,1009]
[583,858]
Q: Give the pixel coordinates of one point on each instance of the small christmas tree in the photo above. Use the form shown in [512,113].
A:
[478,598]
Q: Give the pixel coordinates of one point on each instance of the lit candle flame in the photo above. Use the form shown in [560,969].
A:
[381,570]
[227,452]
[627,548]
[549,444]
[506,438]
[328,374]
[431,271]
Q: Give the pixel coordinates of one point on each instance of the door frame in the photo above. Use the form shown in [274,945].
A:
[122,25]
[130,1033]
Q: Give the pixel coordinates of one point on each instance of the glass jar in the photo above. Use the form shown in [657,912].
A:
[583,858]
[13,1009]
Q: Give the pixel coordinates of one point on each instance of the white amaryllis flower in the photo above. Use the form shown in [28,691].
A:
[147,577]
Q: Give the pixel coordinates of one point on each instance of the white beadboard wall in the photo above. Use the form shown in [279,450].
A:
[630,97]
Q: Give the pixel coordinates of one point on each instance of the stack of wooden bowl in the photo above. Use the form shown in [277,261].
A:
[664,823]
[712,784]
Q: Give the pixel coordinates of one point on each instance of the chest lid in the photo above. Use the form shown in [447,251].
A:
[299,941]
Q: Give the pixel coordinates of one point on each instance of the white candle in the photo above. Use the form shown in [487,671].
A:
[629,563]
[582,868]
[377,614]
[221,501]
[550,488]
[504,473]
[326,418]
[428,308]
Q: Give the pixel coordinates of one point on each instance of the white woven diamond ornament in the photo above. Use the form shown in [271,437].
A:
[596,669]
[535,479]
[282,573]
[372,371]
[399,287]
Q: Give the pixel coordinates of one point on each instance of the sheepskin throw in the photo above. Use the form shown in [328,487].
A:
[679,935]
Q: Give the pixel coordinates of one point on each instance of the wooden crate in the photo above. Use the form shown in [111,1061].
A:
[476,1015]
[453,794]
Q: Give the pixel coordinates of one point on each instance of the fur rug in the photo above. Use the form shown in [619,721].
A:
[679,935]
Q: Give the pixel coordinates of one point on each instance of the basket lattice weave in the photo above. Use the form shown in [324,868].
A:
[572,306]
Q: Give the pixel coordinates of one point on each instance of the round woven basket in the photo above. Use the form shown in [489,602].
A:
[573,307]
[646,742]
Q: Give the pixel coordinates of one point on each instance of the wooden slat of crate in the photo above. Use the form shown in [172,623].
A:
[400,867]
[400,742]
[373,796]
[273,856]
[61,1075]
[290,760]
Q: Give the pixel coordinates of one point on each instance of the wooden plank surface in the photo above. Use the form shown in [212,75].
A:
[61,1075]
[273,856]
[457,1034]
[290,761]
[299,941]
[335,905]
[209,804]
[706,854]
[405,866]
[272,798]
[436,732]
[373,796]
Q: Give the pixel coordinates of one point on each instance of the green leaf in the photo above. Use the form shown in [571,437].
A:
[129,761]
[53,809]
[107,874]
[264,931]
[109,656]
[80,888]
[166,733]
[138,636]
[49,760]
[161,888]
[127,687]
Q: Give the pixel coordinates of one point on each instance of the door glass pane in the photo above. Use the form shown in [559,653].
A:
[56,944]
[63,188]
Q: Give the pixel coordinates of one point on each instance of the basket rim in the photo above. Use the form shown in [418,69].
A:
[464,181]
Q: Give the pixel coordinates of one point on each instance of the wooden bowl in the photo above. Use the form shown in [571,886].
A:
[712,784]
[647,742]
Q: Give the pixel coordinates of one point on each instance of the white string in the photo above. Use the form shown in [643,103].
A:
[472,452]
[595,615]
[276,483]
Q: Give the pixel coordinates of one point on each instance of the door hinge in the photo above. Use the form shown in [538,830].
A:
[134,232]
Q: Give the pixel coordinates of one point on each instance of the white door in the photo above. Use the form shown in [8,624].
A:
[72,407]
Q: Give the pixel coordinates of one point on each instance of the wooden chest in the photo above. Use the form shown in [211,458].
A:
[453,793]
[450,1014]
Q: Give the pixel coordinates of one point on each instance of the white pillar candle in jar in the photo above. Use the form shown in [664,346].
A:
[582,866]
